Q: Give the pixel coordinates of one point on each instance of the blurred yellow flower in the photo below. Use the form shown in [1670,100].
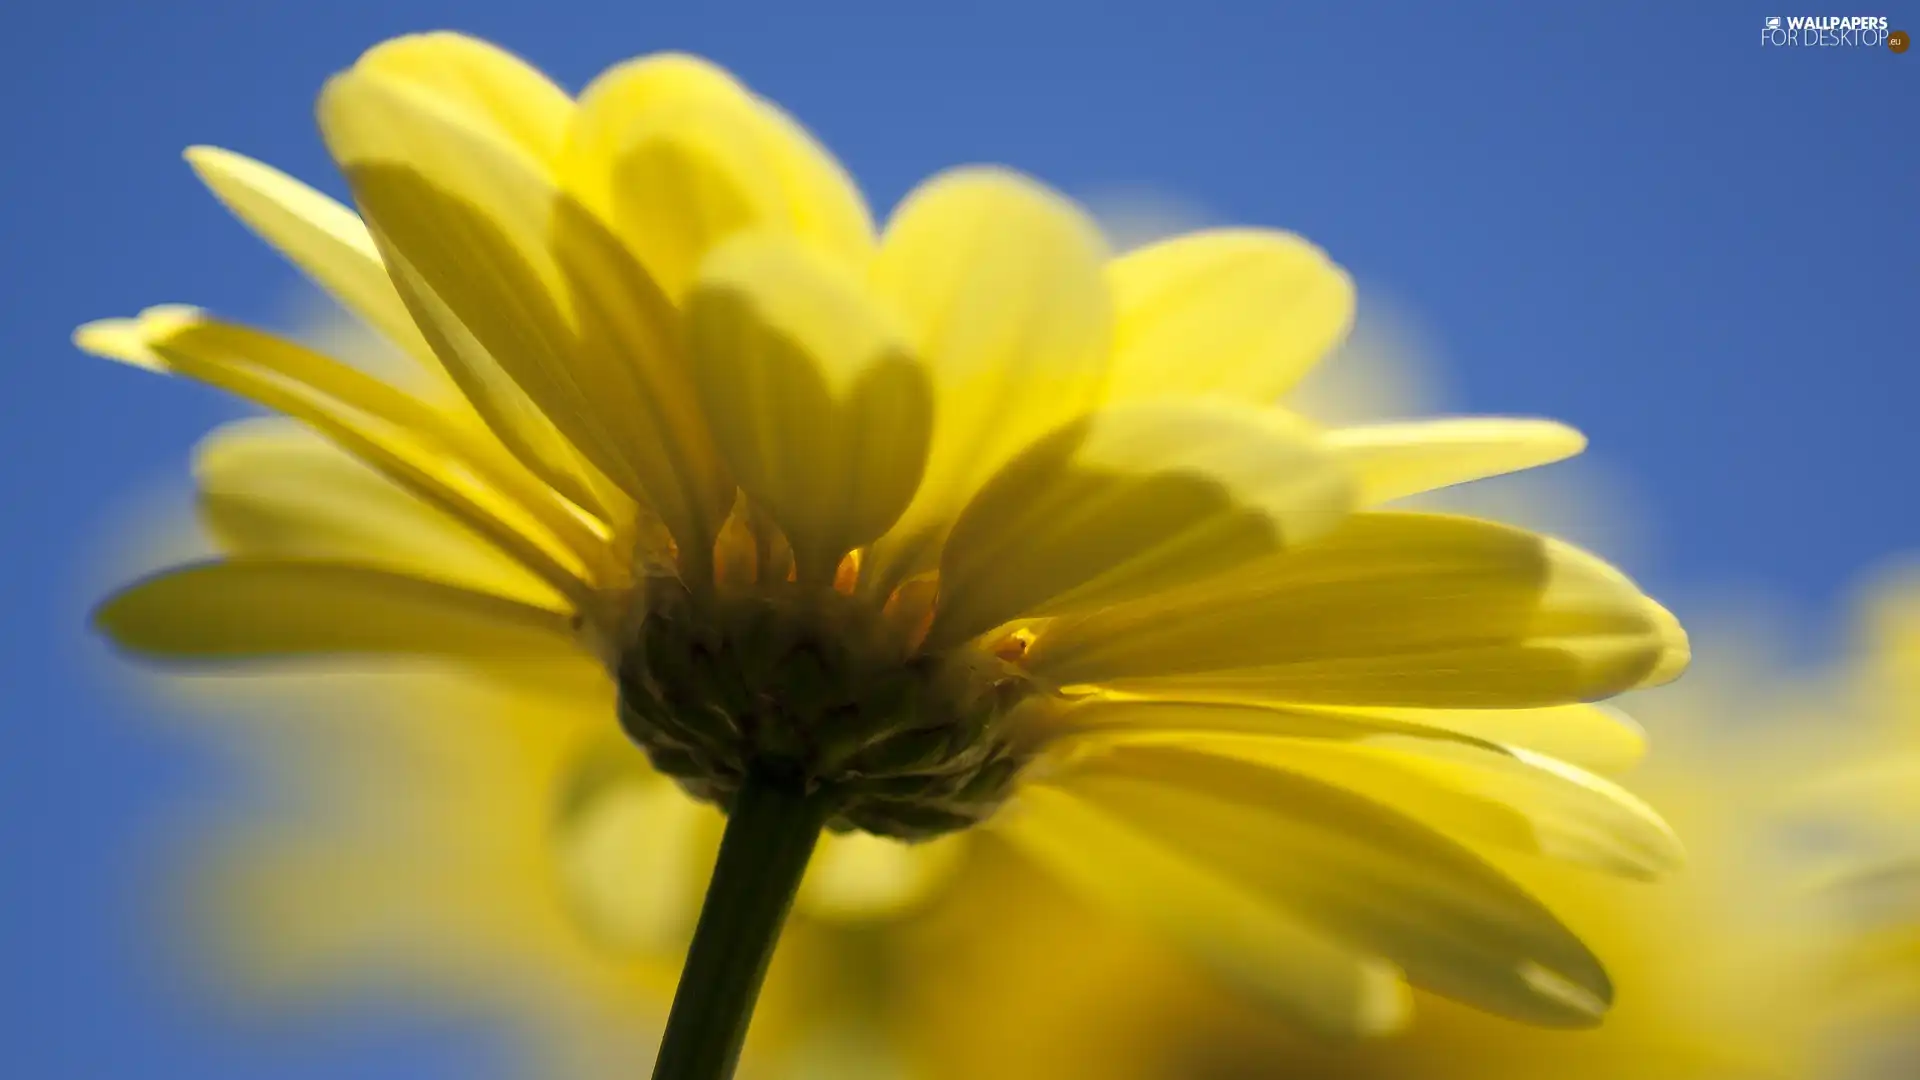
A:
[1709,988]
[1861,813]
[961,524]
[1724,972]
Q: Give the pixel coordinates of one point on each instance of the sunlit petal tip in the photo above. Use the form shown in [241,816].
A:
[1625,750]
[324,238]
[1550,440]
[131,341]
[232,176]
[655,72]
[117,339]
[485,84]
[1240,313]
[962,188]
[1584,1006]
[677,156]
[1575,439]
[1385,1003]
[1676,651]
[405,51]
[1402,458]
[1638,844]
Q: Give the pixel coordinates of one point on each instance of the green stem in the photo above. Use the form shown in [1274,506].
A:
[770,836]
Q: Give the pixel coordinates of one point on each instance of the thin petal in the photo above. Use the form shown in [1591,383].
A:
[1595,737]
[1234,930]
[1472,791]
[522,293]
[679,157]
[407,442]
[248,609]
[1241,313]
[1393,461]
[1365,874]
[1392,610]
[815,399]
[999,281]
[324,239]
[1130,501]
[272,489]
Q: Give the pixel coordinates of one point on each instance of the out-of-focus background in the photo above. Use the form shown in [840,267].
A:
[1629,216]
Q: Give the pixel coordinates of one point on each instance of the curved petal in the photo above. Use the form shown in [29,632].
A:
[1393,610]
[815,399]
[406,441]
[486,84]
[248,609]
[1236,931]
[273,489]
[1129,501]
[1363,873]
[1241,313]
[678,157]
[324,239]
[999,281]
[1595,737]
[1473,791]
[1393,461]
[521,292]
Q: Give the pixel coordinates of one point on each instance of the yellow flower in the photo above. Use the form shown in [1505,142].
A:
[959,524]
[1719,971]
[1864,809]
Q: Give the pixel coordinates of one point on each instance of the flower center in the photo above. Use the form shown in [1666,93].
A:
[808,686]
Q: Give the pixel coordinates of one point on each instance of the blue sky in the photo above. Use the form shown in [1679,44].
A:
[1628,216]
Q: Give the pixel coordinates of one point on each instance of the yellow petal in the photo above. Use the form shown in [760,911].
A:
[999,281]
[125,340]
[323,238]
[486,84]
[1396,460]
[272,489]
[1240,313]
[1244,936]
[256,609]
[1595,737]
[678,157]
[1130,501]
[856,877]
[1393,610]
[1362,873]
[528,301]
[407,442]
[814,397]
[1473,791]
